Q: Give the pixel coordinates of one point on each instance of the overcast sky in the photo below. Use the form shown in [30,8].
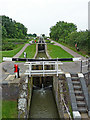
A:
[39,15]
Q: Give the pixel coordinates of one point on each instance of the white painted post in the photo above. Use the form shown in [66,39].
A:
[24,54]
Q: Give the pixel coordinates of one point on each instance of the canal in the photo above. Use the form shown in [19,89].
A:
[43,104]
[41,55]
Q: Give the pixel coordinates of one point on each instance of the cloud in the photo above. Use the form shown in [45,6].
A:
[39,15]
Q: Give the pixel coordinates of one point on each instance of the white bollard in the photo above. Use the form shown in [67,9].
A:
[24,54]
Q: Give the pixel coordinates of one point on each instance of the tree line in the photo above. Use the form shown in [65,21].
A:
[67,33]
[32,35]
[12,29]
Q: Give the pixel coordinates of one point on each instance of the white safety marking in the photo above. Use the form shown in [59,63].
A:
[26,80]
[7,59]
[76,115]
[80,75]
[77,59]
[67,75]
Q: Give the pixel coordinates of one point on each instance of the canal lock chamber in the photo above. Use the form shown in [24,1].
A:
[43,104]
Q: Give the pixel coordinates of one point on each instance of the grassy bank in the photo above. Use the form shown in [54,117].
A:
[10,53]
[83,53]
[30,50]
[55,51]
[9,109]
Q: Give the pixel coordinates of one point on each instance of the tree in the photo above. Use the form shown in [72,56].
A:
[4,32]
[43,35]
[12,29]
[34,35]
[61,30]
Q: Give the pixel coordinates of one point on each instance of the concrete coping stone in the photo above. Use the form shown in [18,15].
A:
[76,115]
[68,75]
[10,77]
[80,75]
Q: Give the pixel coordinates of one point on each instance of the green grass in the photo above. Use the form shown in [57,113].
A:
[30,50]
[14,40]
[56,51]
[9,109]
[10,53]
[74,49]
[47,41]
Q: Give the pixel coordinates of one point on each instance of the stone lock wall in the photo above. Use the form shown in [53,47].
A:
[57,96]
[25,98]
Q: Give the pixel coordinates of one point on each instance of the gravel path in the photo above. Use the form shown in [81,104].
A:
[74,54]
[21,51]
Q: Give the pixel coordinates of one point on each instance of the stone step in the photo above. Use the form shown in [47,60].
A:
[81,103]
[77,87]
[74,75]
[79,97]
[82,109]
[76,82]
[84,116]
[78,92]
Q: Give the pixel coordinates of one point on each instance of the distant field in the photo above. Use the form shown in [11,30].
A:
[10,44]
[9,109]
[56,51]
[30,50]
[14,40]
[11,53]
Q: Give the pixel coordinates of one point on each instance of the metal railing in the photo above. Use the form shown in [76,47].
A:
[43,71]
[85,63]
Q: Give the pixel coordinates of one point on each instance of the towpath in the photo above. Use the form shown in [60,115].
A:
[22,50]
[74,54]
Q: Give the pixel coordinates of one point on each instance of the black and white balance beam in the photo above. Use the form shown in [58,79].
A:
[41,59]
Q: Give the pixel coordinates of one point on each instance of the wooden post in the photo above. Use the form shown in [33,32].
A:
[88,71]
[57,66]
[40,81]
[81,67]
[43,68]
[30,69]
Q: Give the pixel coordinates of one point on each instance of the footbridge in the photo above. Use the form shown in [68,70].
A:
[42,66]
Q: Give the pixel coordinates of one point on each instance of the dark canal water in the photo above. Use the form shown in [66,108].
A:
[41,55]
[43,104]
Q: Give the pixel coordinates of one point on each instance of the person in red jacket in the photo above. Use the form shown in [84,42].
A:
[76,45]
